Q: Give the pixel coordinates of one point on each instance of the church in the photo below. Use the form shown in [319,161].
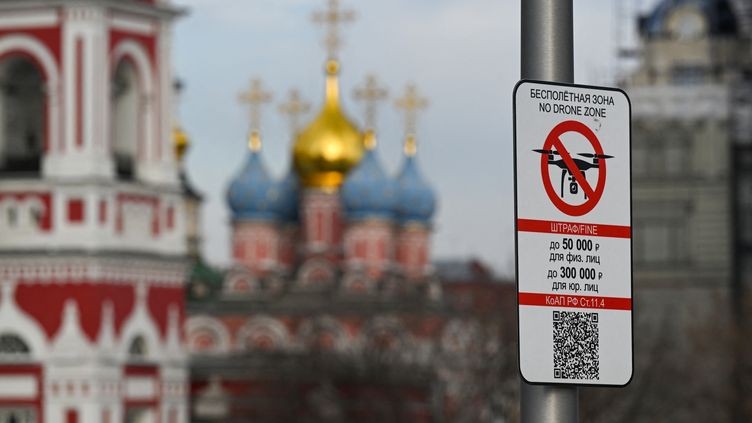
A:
[332,310]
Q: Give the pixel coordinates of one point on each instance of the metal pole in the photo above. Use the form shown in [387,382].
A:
[548,403]
[548,55]
[547,40]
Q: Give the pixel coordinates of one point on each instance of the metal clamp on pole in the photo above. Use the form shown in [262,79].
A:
[548,55]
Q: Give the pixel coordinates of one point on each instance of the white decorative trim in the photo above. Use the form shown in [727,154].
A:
[77,269]
[357,276]
[90,235]
[305,279]
[129,24]
[141,323]
[106,339]
[311,328]
[263,325]
[195,324]
[173,345]
[18,387]
[71,346]
[236,276]
[140,388]
[37,19]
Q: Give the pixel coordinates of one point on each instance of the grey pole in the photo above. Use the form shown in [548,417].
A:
[548,55]
[547,40]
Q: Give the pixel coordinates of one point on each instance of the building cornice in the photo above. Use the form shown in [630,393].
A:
[133,7]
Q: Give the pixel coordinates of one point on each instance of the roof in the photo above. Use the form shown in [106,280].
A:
[719,14]
[463,270]
[187,186]
[204,282]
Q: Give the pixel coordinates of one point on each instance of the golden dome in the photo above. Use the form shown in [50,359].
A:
[331,145]
[180,142]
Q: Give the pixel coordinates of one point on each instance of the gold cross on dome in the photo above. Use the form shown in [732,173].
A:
[255,97]
[331,18]
[293,109]
[370,93]
[410,104]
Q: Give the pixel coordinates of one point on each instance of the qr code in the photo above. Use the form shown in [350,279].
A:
[575,345]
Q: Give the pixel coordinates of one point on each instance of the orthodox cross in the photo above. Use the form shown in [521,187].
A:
[255,97]
[370,94]
[331,18]
[410,104]
[293,109]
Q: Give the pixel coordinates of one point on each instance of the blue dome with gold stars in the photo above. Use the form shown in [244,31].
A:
[368,192]
[253,194]
[416,200]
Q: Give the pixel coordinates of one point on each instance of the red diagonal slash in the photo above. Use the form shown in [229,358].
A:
[573,169]
[554,142]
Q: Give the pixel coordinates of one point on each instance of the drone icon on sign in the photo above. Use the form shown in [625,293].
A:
[566,173]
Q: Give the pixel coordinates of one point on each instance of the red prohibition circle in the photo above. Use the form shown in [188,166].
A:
[553,141]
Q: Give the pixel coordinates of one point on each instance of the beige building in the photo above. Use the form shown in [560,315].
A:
[692,213]
[695,61]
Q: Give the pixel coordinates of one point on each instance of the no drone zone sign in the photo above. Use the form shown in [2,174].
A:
[573,233]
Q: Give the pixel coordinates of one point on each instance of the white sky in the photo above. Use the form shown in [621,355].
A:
[463,55]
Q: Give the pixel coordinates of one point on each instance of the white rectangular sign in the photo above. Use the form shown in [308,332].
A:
[573,233]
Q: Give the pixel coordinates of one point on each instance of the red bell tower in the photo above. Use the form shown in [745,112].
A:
[92,239]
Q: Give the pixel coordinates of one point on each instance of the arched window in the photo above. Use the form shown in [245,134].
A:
[22,117]
[13,347]
[137,348]
[11,414]
[140,415]
[126,124]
